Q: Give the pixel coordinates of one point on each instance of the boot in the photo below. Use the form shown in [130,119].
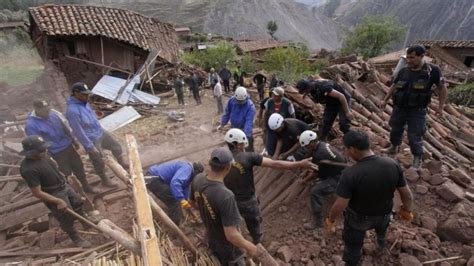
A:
[315,224]
[79,241]
[106,181]
[393,149]
[88,189]
[417,162]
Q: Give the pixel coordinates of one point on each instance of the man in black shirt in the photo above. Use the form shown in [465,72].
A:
[288,131]
[219,211]
[330,163]
[259,79]
[225,75]
[240,179]
[336,100]
[47,183]
[365,191]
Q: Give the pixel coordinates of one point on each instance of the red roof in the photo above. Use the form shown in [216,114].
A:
[447,44]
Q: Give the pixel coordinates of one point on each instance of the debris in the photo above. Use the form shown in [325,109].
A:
[436,179]
[429,223]
[421,189]
[409,260]
[411,175]
[450,192]
[47,239]
[285,253]
[120,118]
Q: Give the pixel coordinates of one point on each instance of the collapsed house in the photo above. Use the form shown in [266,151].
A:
[257,48]
[461,50]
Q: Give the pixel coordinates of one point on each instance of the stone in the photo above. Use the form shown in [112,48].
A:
[434,167]
[310,263]
[283,209]
[318,262]
[405,160]
[425,174]
[436,179]
[411,175]
[421,189]
[47,239]
[469,195]
[284,253]
[272,248]
[460,224]
[450,192]
[408,260]
[429,223]
[460,177]
[471,261]
[337,260]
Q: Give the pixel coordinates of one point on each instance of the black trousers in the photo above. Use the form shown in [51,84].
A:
[318,192]
[69,162]
[226,84]
[261,91]
[74,202]
[226,253]
[180,98]
[250,211]
[109,143]
[162,191]
[329,115]
[250,147]
[196,95]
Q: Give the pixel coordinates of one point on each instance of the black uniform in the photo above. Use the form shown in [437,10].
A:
[240,180]
[291,132]
[260,80]
[218,209]
[369,185]
[225,75]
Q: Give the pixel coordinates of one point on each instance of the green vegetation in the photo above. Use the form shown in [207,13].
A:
[373,36]
[288,63]
[272,27]
[217,56]
[462,95]
[248,64]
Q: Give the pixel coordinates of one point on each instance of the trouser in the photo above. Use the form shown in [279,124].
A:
[329,115]
[70,162]
[162,191]
[415,120]
[226,253]
[271,142]
[250,147]
[250,211]
[355,226]
[261,91]
[109,143]
[220,105]
[226,83]
[318,192]
[196,95]
[180,97]
[73,201]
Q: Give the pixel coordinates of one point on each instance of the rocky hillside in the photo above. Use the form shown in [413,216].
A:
[243,18]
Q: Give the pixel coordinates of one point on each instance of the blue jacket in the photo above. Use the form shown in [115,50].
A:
[240,115]
[53,129]
[84,122]
[178,174]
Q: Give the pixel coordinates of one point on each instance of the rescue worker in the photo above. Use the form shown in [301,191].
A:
[89,132]
[241,113]
[219,212]
[225,75]
[336,101]
[366,197]
[171,182]
[287,132]
[240,179]
[49,185]
[238,77]
[330,163]
[178,85]
[194,86]
[276,104]
[259,79]
[53,127]
[411,92]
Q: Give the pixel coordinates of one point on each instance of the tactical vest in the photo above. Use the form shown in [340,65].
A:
[414,92]
[284,108]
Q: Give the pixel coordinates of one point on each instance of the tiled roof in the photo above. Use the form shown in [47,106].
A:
[256,45]
[447,44]
[114,23]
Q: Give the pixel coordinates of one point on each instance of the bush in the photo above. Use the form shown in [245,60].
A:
[248,64]
[288,63]
[215,57]
[462,94]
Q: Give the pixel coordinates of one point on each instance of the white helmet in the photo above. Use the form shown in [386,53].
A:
[306,137]
[236,135]
[275,121]
[241,93]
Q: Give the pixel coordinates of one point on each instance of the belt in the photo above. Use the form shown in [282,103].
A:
[351,211]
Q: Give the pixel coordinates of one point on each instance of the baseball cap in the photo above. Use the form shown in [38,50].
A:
[39,104]
[221,156]
[302,85]
[81,88]
[33,145]
[278,91]
[197,168]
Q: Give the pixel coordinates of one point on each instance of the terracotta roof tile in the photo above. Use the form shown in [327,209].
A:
[256,45]
[447,44]
[118,24]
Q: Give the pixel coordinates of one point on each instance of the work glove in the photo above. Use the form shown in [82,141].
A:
[330,225]
[405,215]
[185,204]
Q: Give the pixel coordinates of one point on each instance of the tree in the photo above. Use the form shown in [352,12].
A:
[272,27]
[373,36]
[289,63]
[216,56]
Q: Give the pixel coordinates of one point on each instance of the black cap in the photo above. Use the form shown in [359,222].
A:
[81,88]
[417,48]
[302,85]
[221,156]
[33,145]
[197,168]
[39,104]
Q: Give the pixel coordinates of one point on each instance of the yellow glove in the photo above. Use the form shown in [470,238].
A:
[406,216]
[330,225]
[185,204]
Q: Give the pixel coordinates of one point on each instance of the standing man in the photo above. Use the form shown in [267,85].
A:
[238,77]
[179,89]
[273,81]
[53,127]
[259,79]
[411,91]
[330,163]
[194,82]
[218,95]
[89,132]
[219,211]
[366,197]
[47,184]
[336,99]
[287,132]
[212,76]
[240,179]
[171,184]
[225,75]
[241,113]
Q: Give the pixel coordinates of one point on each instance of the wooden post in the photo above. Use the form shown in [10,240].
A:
[146,229]
[119,235]
[102,52]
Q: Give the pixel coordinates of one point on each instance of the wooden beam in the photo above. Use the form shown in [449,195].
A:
[19,204]
[146,229]
[98,64]
[30,253]
[23,215]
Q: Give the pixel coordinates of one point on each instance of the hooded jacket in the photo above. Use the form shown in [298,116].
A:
[178,174]
[84,122]
[241,116]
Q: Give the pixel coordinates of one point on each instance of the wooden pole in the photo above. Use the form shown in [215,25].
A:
[119,235]
[146,229]
[98,64]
